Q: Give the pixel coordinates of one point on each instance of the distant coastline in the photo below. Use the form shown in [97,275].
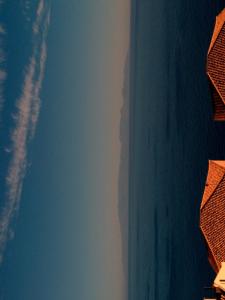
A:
[123,182]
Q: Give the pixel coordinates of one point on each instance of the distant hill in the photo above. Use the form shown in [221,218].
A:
[124,168]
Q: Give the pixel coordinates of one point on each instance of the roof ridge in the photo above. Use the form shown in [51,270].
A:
[217,29]
[204,201]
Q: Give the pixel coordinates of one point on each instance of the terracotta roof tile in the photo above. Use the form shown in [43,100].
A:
[212,216]
[216,67]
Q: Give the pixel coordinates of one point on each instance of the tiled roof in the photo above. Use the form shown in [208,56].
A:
[216,172]
[212,215]
[218,105]
[216,67]
[218,25]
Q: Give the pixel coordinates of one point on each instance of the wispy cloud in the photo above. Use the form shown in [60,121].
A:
[36,103]
[39,16]
[2,29]
[3,76]
[40,8]
[3,73]
[28,107]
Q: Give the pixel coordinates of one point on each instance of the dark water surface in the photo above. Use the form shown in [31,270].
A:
[172,136]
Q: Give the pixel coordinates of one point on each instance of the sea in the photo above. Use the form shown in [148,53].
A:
[172,137]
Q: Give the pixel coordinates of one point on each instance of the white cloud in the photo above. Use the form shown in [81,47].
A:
[28,107]
[3,76]
[3,73]
[39,16]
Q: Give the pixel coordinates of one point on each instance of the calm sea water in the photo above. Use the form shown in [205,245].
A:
[172,137]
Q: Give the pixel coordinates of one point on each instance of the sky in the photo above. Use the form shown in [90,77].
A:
[62,175]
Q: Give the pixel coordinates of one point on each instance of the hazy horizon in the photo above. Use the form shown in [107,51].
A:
[62,96]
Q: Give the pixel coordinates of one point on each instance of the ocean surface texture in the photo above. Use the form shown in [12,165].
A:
[172,136]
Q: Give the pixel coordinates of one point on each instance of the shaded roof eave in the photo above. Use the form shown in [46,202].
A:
[214,85]
[209,248]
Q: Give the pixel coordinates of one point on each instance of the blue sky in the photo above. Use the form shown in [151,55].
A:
[67,242]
